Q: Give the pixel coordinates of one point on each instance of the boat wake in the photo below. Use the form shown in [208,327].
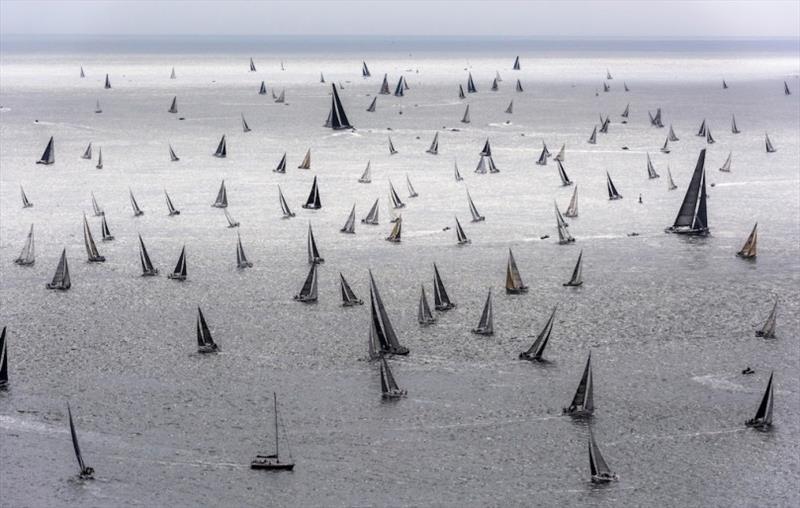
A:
[719,383]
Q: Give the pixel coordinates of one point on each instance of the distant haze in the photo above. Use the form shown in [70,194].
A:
[764,18]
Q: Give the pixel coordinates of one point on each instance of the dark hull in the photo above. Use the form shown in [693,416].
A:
[271,466]
[444,308]
[176,276]
[572,284]
[305,299]
[151,273]
[517,291]
[688,232]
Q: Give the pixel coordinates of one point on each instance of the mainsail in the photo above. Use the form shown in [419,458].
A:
[372,216]
[518,86]
[338,118]
[424,314]
[222,197]
[665,147]
[441,300]
[350,225]
[612,190]
[434,149]
[577,273]
[599,470]
[262,89]
[349,298]
[786,89]
[179,273]
[583,401]
[486,323]
[281,99]
[399,90]
[510,108]
[476,216]
[514,284]
[172,74]
[749,249]
[651,170]
[671,134]
[136,210]
[49,155]
[366,176]
[692,218]
[148,270]
[222,148]
[61,279]
[456,172]
[763,417]
[535,352]
[461,237]
[108,83]
[281,167]
[83,75]
[767,331]
[28,254]
[97,108]
[495,86]
[726,167]
[308,293]
[389,387]
[381,328]
[311,246]
[542,160]
[252,66]
[287,213]
[461,94]
[626,112]
[709,138]
[572,209]
[241,259]
[560,155]
[313,202]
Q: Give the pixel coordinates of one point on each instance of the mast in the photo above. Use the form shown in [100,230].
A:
[100,159]
[3,360]
[749,249]
[692,218]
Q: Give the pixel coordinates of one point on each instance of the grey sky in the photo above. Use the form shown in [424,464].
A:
[675,18]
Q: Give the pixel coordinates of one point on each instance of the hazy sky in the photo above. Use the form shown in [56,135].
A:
[675,18]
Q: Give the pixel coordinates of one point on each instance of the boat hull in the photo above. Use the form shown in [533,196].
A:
[687,231]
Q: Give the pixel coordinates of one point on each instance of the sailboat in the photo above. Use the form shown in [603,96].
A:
[749,249]
[767,330]
[205,342]
[308,293]
[709,138]
[148,270]
[383,337]
[692,218]
[724,85]
[364,70]
[656,120]
[486,323]
[100,159]
[179,273]
[606,88]
[83,75]
[456,172]
[389,388]
[535,352]
[371,108]
[393,215]
[564,237]
[395,198]
[516,66]
[593,137]
[495,86]
[482,166]
[734,128]
[384,86]
[281,167]
[174,106]
[599,470]
[510,108]
[665,147]
[768,143]
[671,134]
[560,155]
[726,167]
[514,284]
[392,150]
[241,259]
[786,89]
[108,83]
[245,127]
[461,237]
[518,86]
[28,254]
[222,148]
[701,132]
[497,76]
[106,232]
[311,244]
[394,236]
[411,192]
[461,94]
[61,279]
[350,224]
[97,108]
[338,118]
[441,301]
[281,99]
[232,223]
[583,401]
[222,197]
[434,149]
[172,74]
[424,314]
[3,360]
[349,298]
[173,157]
[670,182]
[87,154]
[471,84]
[366,176]
[25,202]
[137,212]
[626,112]
[49,155]
[612,190]
[372,216]
[572,209]
[287,213]
[763,418]
[313,202]
[465,118]
[651,170]
[604,125]
[273,461]
[252,66]
[565,181]
[86,472]
[263,89]
[577,273]
[399,90]
[542,160]
[625,86]
[476,217]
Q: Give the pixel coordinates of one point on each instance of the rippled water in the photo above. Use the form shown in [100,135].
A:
[669,320]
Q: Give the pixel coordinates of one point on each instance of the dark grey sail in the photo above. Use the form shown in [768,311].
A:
[577,273]
[392,150]
[583,402]
[456,172]
[486,322]
[726,167]
[476,216]
[768,144]
[205,342]
[222,148]
[604,125]
[372,216]
[535,352]
[173,157]
[252,66]
[599,470]
[692,217]
[86,472]
[83,75]
[366,176]
[593,137]
[349,298]
[25,202]
[763,418]
[625,86]
[750,248]
[670,182]
[137,212]
[671,135]
[311,244]
[767,330]
[465,118]
[724,85]
[606,88]
[350,225]
[656,120]
[371,108]
[97,108]
[308,293]
[734,127]
[572,209]
[61,279]
[516,66]
[424,314]
[3,360]
[281,167]
[87,154]
[99,159]
[441,301]
[49,155]
[245,127]
[461,237]
[385,86]
[321,78]
[471,84]
[564,237]
[461,94]
[285,210]
[262,90]
[148,270]
[626,112]
[241,258]
[399,90]
[495,87]
[232,223]
[651,170]
[701,132]
[665,147]
[487,149]
[565,181]
[396,201]
[613,194]
[104,229]
[411,192]
[514,284]
[518,86]
[173,108]
[108,83]
[313,202]
[382,329]
[786,89]
[709,139]
[338,117]
[389,388]
[542,160]
[222,197]
[434,148]
[365,70]
[179,273]
[397,229]
[27,256]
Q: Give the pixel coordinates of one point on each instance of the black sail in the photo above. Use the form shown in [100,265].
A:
[692,218]
[49,155]
[338,118]
[386,335]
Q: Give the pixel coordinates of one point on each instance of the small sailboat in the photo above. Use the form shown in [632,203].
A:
[222,197]
[482,166]
[137,212]
[763,418]
[25,202]
[701,132]
[232,223]
[516,66]
[768,144]
[604,124]
[465,118]
[262,89]
[709,138]
[273,461]
[394,236]
[61,279]
[434,149]
[572,209]
[107,236]
[241,259]
[97,108]
[495,86]
[665,147]
[308,293]
[651,170]
[371,108]
[560,155]
[281,99]
[606,88]
[692,217]
[456,172]
[626,112]
[518,86]
[245,127]
[461,237]
[583,401]
[599,470]
[399,91]
[205,342]
[471,84]
[281,167]
[87,154]
[83,75]
[486,323]
[461,94]
[542,160]
[311,244]
[366,176]
[671,135]
[564,237]
[99,159]
[535,352]
[372,216]
[612,190]
[726,167]
[734,128]
[670,182]
[49,154]
[395,198]
[385,86]
[179,273]
[338,118]
[411,192]
[786,89]
[476,216]
[108,83]
[350,224]
[285,210]
[724,85]
[392,150]
[28,254]
[3,360]
[383,339]
[389,388]
[86,472]
[148,270]
[252,66]
[514,284]
[656,121]
[222,148]
[364,70]
[497,76]
[593,137]
[313,202]
[441,301]
[767,330]
[749,249]
[424,314]
[172,74]
[577,273]
[625,86]
[173,157]
[565,181]
[349,298]
[173,108]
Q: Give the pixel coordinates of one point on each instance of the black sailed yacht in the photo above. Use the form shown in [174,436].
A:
[692,218]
